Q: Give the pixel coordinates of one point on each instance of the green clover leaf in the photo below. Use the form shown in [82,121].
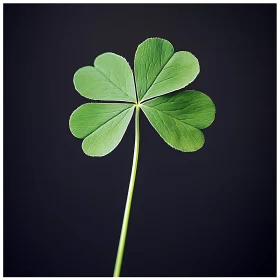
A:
[102,125]
[158,70]
[177,117]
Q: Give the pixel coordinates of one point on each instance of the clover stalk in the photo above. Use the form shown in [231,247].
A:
[122,240]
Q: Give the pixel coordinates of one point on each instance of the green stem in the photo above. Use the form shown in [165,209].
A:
[119,258]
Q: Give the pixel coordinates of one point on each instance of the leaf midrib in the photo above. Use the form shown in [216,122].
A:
[170,116]
[156,77]
[107,122]
[131,98]
[168,127]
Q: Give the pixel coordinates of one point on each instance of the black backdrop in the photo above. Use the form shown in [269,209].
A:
[208,213]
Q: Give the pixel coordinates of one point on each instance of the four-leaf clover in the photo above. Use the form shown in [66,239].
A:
[177,117]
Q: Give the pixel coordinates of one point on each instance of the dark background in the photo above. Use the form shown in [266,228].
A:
[208,213]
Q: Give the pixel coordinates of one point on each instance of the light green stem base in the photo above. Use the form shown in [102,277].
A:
[119,258]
